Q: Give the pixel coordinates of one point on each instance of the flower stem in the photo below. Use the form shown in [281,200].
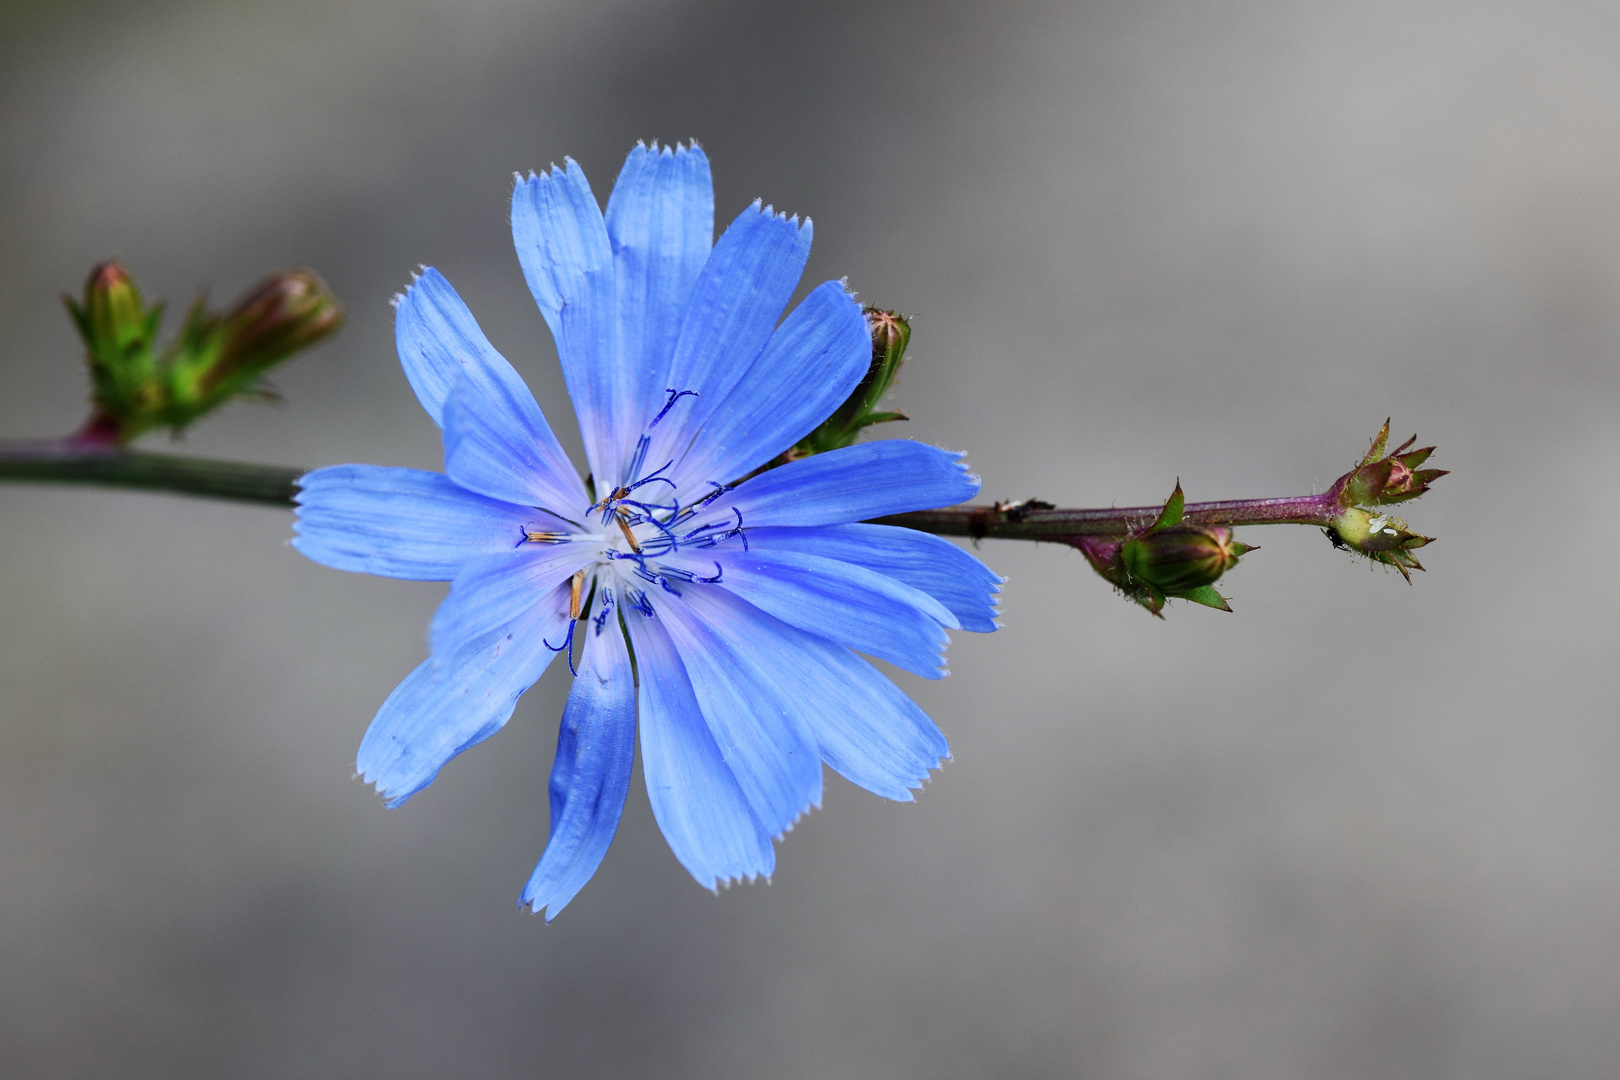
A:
[1032,520]
[77,460]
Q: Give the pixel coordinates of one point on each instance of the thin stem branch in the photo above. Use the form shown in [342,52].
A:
[75,460]
[1038,521]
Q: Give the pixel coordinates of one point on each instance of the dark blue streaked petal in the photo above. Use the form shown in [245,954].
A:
[451,703]
[494,445]
[562,245]
[847,603]
[862,481]
[660,222]
[813,361]
[695,796]
[952,575]
[495,589]
[740,294]
[402,523]
[591,774]
[763,734]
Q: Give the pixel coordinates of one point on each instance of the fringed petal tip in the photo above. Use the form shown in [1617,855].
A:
[726,883]
[813,805]
[764,209]
[392,798]
[569,167]
[416,277]
[541,905]
[674,149]
[918,783]
[391,801]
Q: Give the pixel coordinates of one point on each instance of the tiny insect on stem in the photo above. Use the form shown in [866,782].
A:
[575,587]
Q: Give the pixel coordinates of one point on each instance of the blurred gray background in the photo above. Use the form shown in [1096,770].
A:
[1356,829]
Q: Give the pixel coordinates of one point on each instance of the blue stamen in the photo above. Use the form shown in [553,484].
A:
[650,477]
[607,608]
[674,396]
[568,643]
[639,458]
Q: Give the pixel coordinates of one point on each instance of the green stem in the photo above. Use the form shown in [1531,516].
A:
[74,460]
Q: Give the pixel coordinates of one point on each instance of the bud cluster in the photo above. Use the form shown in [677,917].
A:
[1381,479]
[217,356]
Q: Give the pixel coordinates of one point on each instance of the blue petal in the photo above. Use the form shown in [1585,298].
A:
[494,445]
[495,589]
[660,221]
[440,344]
[562,245]
[738,298]
[869,731]
[814,360]
[591,774]
[865,728]
[862,481]
[402,523]
[847,603]
[695,796]
[449,704]
[763,733]
[952,575]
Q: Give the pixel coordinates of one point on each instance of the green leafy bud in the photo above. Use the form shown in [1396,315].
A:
[1381,538]
[1167,559]
[1184,557]
[112,319]
[1381,479]
[216,357]
[222,356]
[119,334]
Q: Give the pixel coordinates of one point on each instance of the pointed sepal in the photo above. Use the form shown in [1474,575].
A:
[1206,595]
[1174,507]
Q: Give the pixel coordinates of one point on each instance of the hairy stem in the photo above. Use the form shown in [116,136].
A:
[78,460]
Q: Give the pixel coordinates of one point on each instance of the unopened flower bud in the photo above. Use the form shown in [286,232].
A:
[1378,536]
[1380,479]
[1166,559]
[286,313]
[112,317]
[1181,558]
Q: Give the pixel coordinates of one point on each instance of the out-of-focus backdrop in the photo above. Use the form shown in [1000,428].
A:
[1356,829]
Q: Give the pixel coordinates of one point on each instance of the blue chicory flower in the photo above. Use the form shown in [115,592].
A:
[724,609]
